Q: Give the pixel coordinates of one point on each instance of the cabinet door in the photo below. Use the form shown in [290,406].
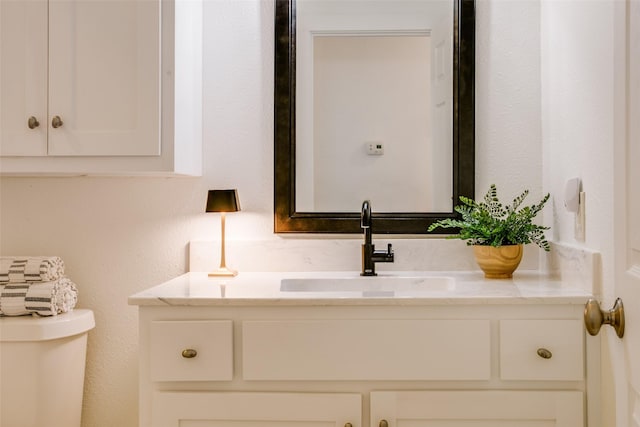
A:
[23,77]
[477,409]
[104,77]
[213,409]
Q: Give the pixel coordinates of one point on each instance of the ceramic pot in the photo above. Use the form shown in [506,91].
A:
[498,262]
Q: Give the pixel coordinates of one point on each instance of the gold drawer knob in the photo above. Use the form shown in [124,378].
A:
[189,353]
[383,423]
[348,425]
[56,122]
[544,353]
[33,122]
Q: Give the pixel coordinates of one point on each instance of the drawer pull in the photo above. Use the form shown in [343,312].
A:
[56,122]
[544,353]
[383,423]
[33,122]
[189,353]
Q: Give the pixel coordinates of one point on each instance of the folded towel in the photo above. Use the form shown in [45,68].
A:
[30,269]
[43,298]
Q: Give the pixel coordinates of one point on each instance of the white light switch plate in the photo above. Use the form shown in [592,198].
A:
[579,230]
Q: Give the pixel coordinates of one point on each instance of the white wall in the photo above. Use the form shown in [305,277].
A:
[578,102]
[577,114]
[121,235]
[508,132]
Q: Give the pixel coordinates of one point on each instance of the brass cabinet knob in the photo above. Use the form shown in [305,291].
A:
[56,122]
[383,423]
[594,317]
[544,353]
[33,122]
[189,353]
[348,425]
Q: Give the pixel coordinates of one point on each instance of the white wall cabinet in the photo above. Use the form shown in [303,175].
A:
[442,365]
[100,87]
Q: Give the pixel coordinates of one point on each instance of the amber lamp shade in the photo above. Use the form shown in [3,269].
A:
[222,201]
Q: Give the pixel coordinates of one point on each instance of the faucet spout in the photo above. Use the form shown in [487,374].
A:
[365,215]
[369,253]
[365,224]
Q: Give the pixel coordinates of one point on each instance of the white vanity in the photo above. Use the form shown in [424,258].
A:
[334,349]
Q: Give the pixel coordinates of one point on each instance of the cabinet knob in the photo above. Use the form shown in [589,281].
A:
[56,122]
[544,353]
[383,423]
[189,353]
[33,122]
[348,425]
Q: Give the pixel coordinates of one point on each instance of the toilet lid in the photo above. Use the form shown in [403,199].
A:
[34,328]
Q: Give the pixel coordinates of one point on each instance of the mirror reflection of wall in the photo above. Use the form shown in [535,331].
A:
[374,105]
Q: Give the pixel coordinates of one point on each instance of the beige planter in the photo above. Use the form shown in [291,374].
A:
[498,262]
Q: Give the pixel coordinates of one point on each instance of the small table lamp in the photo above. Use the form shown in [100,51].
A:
[223,201]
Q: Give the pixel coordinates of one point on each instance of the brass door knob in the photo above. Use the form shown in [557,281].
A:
[189,353]
[56,122]
[594,317]
[33,122]
[383,423]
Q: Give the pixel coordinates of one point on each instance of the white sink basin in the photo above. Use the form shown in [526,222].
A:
[374,285]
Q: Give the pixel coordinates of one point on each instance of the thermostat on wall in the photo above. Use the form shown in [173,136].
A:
[375,148]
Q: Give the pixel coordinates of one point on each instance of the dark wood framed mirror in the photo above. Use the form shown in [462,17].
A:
[290,219]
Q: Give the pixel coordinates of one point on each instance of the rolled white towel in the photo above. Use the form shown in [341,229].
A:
[23,269]
[43,298]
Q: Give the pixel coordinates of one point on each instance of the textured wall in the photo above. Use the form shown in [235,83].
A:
[579,127]
[121,235]
[508,133]
[578,114]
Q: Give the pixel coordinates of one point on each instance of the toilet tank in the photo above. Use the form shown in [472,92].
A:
[42,364]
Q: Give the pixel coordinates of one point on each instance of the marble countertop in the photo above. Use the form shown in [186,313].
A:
[443,287]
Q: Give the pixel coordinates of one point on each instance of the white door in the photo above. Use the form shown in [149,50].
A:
[442,114]
[626,352]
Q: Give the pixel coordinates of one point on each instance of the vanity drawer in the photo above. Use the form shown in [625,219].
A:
[541,350]
[199,350]
[353,349]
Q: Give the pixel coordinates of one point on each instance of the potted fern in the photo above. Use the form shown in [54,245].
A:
[497,232]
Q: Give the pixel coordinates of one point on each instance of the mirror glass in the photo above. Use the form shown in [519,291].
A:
[373,101]
[374,105]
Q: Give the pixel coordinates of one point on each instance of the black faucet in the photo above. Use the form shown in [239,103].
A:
[369,254]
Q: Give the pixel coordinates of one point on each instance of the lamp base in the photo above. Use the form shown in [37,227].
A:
[223,271]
